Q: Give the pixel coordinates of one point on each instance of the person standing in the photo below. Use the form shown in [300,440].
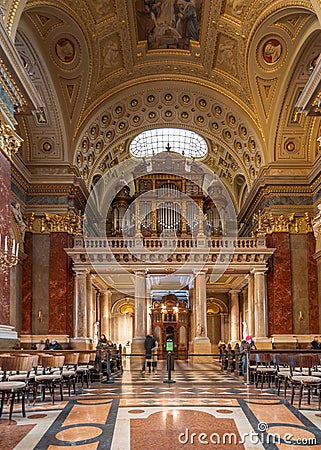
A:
[154,357]
[149,344]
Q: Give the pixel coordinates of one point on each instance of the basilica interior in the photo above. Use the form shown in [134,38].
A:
[160,174]
[132,160]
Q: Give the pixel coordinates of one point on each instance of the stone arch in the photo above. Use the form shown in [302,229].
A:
[216,306]
[217,317]
[124,306]
[234,142]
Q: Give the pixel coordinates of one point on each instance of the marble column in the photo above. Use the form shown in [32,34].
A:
[235,316]
[201,343]
[260,305]
[140,329]
[89,306]
[80,308]
[224,327]
[250,305]
[199,309]
[140,306]
[105,304]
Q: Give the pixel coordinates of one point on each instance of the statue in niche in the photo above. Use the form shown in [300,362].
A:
[316,223]
[16,210]
[199,330]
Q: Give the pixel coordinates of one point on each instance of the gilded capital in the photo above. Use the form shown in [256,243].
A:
[10,141]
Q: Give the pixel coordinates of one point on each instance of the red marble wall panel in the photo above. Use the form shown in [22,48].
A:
[312,286]
[60,307]
[279,285]
[26,324]
[5,210]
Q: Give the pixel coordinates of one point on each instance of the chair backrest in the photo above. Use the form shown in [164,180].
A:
[281,359]
[264,358]
[7,363]
[302,362]
[16,363]
[50,361]
[58,361]
[24,363]
[71,359]
[84,358]
[35,361]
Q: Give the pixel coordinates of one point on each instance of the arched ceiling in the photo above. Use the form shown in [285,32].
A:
[103,79]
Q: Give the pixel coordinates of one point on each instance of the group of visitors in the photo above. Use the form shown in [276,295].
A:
[239,351]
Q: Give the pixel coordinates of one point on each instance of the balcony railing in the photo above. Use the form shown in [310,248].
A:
[170,243]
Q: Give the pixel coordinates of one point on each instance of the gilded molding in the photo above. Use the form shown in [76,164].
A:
[55,223]
[283,223]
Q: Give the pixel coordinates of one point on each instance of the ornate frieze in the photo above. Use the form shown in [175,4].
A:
[284,223]
[55,223]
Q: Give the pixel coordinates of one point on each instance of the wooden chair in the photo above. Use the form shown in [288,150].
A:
[92,366]
[15,372]
[301,367]
[51,376]
[283,371]
[82,373]
[69,371]
[265,369]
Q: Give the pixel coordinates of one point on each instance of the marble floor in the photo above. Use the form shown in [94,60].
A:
[196,406]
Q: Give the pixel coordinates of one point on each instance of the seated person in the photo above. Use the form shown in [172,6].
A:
[102,341]
[53,345]
[315,344]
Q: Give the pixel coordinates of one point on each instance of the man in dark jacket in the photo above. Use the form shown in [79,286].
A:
[54,345]
[315,344]
[149,344]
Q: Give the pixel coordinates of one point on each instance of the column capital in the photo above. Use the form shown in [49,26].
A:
[105,291]
[140,272]
[259,270]
[199,271]
[81,271]
[234,291]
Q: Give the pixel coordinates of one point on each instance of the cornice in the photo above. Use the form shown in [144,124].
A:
[52,184]
[18,74]
[309,101]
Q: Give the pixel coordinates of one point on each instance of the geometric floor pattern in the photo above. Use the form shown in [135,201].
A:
[197,409]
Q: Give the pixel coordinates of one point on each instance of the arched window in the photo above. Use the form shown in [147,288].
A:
[185,142]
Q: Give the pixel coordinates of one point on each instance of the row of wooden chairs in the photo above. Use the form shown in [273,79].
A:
[23,374]
[300,372]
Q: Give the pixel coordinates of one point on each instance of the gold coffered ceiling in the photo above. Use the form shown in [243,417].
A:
[250,60]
